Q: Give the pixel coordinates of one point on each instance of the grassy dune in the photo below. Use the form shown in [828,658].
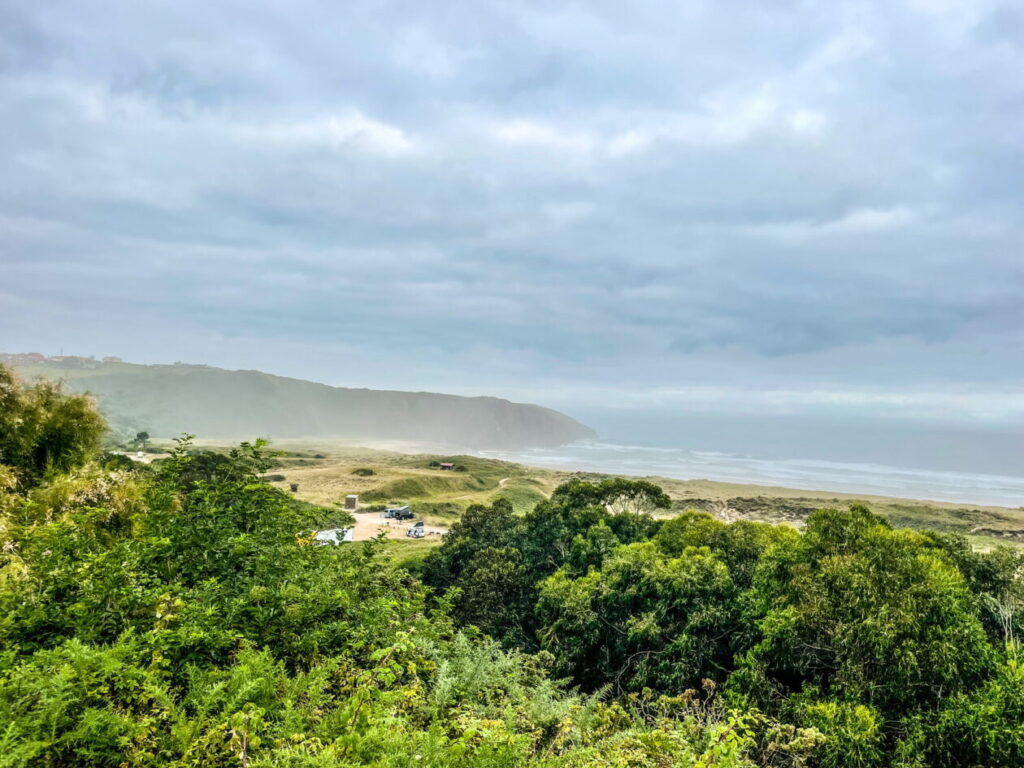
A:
[409,479]
[327,472]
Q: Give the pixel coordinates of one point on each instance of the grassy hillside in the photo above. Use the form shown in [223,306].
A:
[326,473]
[166,400]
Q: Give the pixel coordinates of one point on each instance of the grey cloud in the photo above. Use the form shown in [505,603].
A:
[464,192]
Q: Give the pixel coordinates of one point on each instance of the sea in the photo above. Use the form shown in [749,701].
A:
[806,474]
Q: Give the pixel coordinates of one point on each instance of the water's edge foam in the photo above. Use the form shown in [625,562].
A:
[802,474]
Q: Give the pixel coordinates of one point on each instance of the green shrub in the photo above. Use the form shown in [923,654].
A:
[438,508]
[179,615]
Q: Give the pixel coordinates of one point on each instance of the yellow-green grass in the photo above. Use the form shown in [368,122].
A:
[440,496]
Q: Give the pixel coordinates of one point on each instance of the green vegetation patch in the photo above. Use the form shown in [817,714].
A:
[522,495]
[182,614]
[423,486]
[443,509]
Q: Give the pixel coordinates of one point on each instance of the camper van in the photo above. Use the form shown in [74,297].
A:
[399,513]
[418,531]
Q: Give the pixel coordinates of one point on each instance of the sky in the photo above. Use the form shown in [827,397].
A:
[746,209]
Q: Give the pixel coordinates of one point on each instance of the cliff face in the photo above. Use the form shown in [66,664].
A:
[166,400]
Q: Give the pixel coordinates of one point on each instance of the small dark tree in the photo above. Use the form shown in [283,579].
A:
[495,593]
[480,528]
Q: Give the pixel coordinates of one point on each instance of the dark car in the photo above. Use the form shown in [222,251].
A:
[399,513]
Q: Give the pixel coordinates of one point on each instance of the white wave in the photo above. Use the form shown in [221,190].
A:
[803,474]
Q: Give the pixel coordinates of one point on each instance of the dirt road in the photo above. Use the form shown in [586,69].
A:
[369,524]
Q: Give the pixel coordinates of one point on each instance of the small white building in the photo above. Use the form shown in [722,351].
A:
[332,536]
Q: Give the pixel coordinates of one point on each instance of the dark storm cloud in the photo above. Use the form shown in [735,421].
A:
[460,193]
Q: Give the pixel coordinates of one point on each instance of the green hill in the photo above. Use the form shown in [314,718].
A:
[166,400]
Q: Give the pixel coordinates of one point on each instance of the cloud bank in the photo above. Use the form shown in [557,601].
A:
[589,201]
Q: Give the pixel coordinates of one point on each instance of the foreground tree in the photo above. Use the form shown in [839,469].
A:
[642,620]
[43,430]
[861,612]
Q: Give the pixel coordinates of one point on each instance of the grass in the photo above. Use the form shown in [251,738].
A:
[441,496]
[409,553]
[523,494]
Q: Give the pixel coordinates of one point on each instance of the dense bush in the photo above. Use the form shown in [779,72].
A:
[44,431]
[178,615]
[897,647]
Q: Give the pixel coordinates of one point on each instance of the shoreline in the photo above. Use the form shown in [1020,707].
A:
[795,477]
[698,485]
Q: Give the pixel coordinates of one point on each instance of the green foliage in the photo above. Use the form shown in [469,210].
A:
[980,728]
[179,615]
[496,595]
[616,493]
[866,613]
[853,629]
[853,733]
[44,431]
[641,620]
[574,529]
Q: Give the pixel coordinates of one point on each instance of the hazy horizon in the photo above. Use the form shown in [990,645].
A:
[793,231]
[781,433]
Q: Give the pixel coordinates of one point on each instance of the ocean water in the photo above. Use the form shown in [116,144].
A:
[805,474]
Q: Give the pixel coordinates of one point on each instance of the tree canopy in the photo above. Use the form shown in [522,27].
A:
[179,614]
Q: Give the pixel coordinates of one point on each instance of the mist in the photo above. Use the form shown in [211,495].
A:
[795,236]
[931,445]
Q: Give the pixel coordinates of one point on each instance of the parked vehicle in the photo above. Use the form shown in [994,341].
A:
[418,531]
[399,513]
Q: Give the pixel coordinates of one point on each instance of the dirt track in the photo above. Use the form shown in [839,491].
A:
[369,524]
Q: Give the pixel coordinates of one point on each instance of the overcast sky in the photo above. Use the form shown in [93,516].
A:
[719,205]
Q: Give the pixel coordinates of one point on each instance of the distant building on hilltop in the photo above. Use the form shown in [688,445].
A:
[74,361]
[22,358]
